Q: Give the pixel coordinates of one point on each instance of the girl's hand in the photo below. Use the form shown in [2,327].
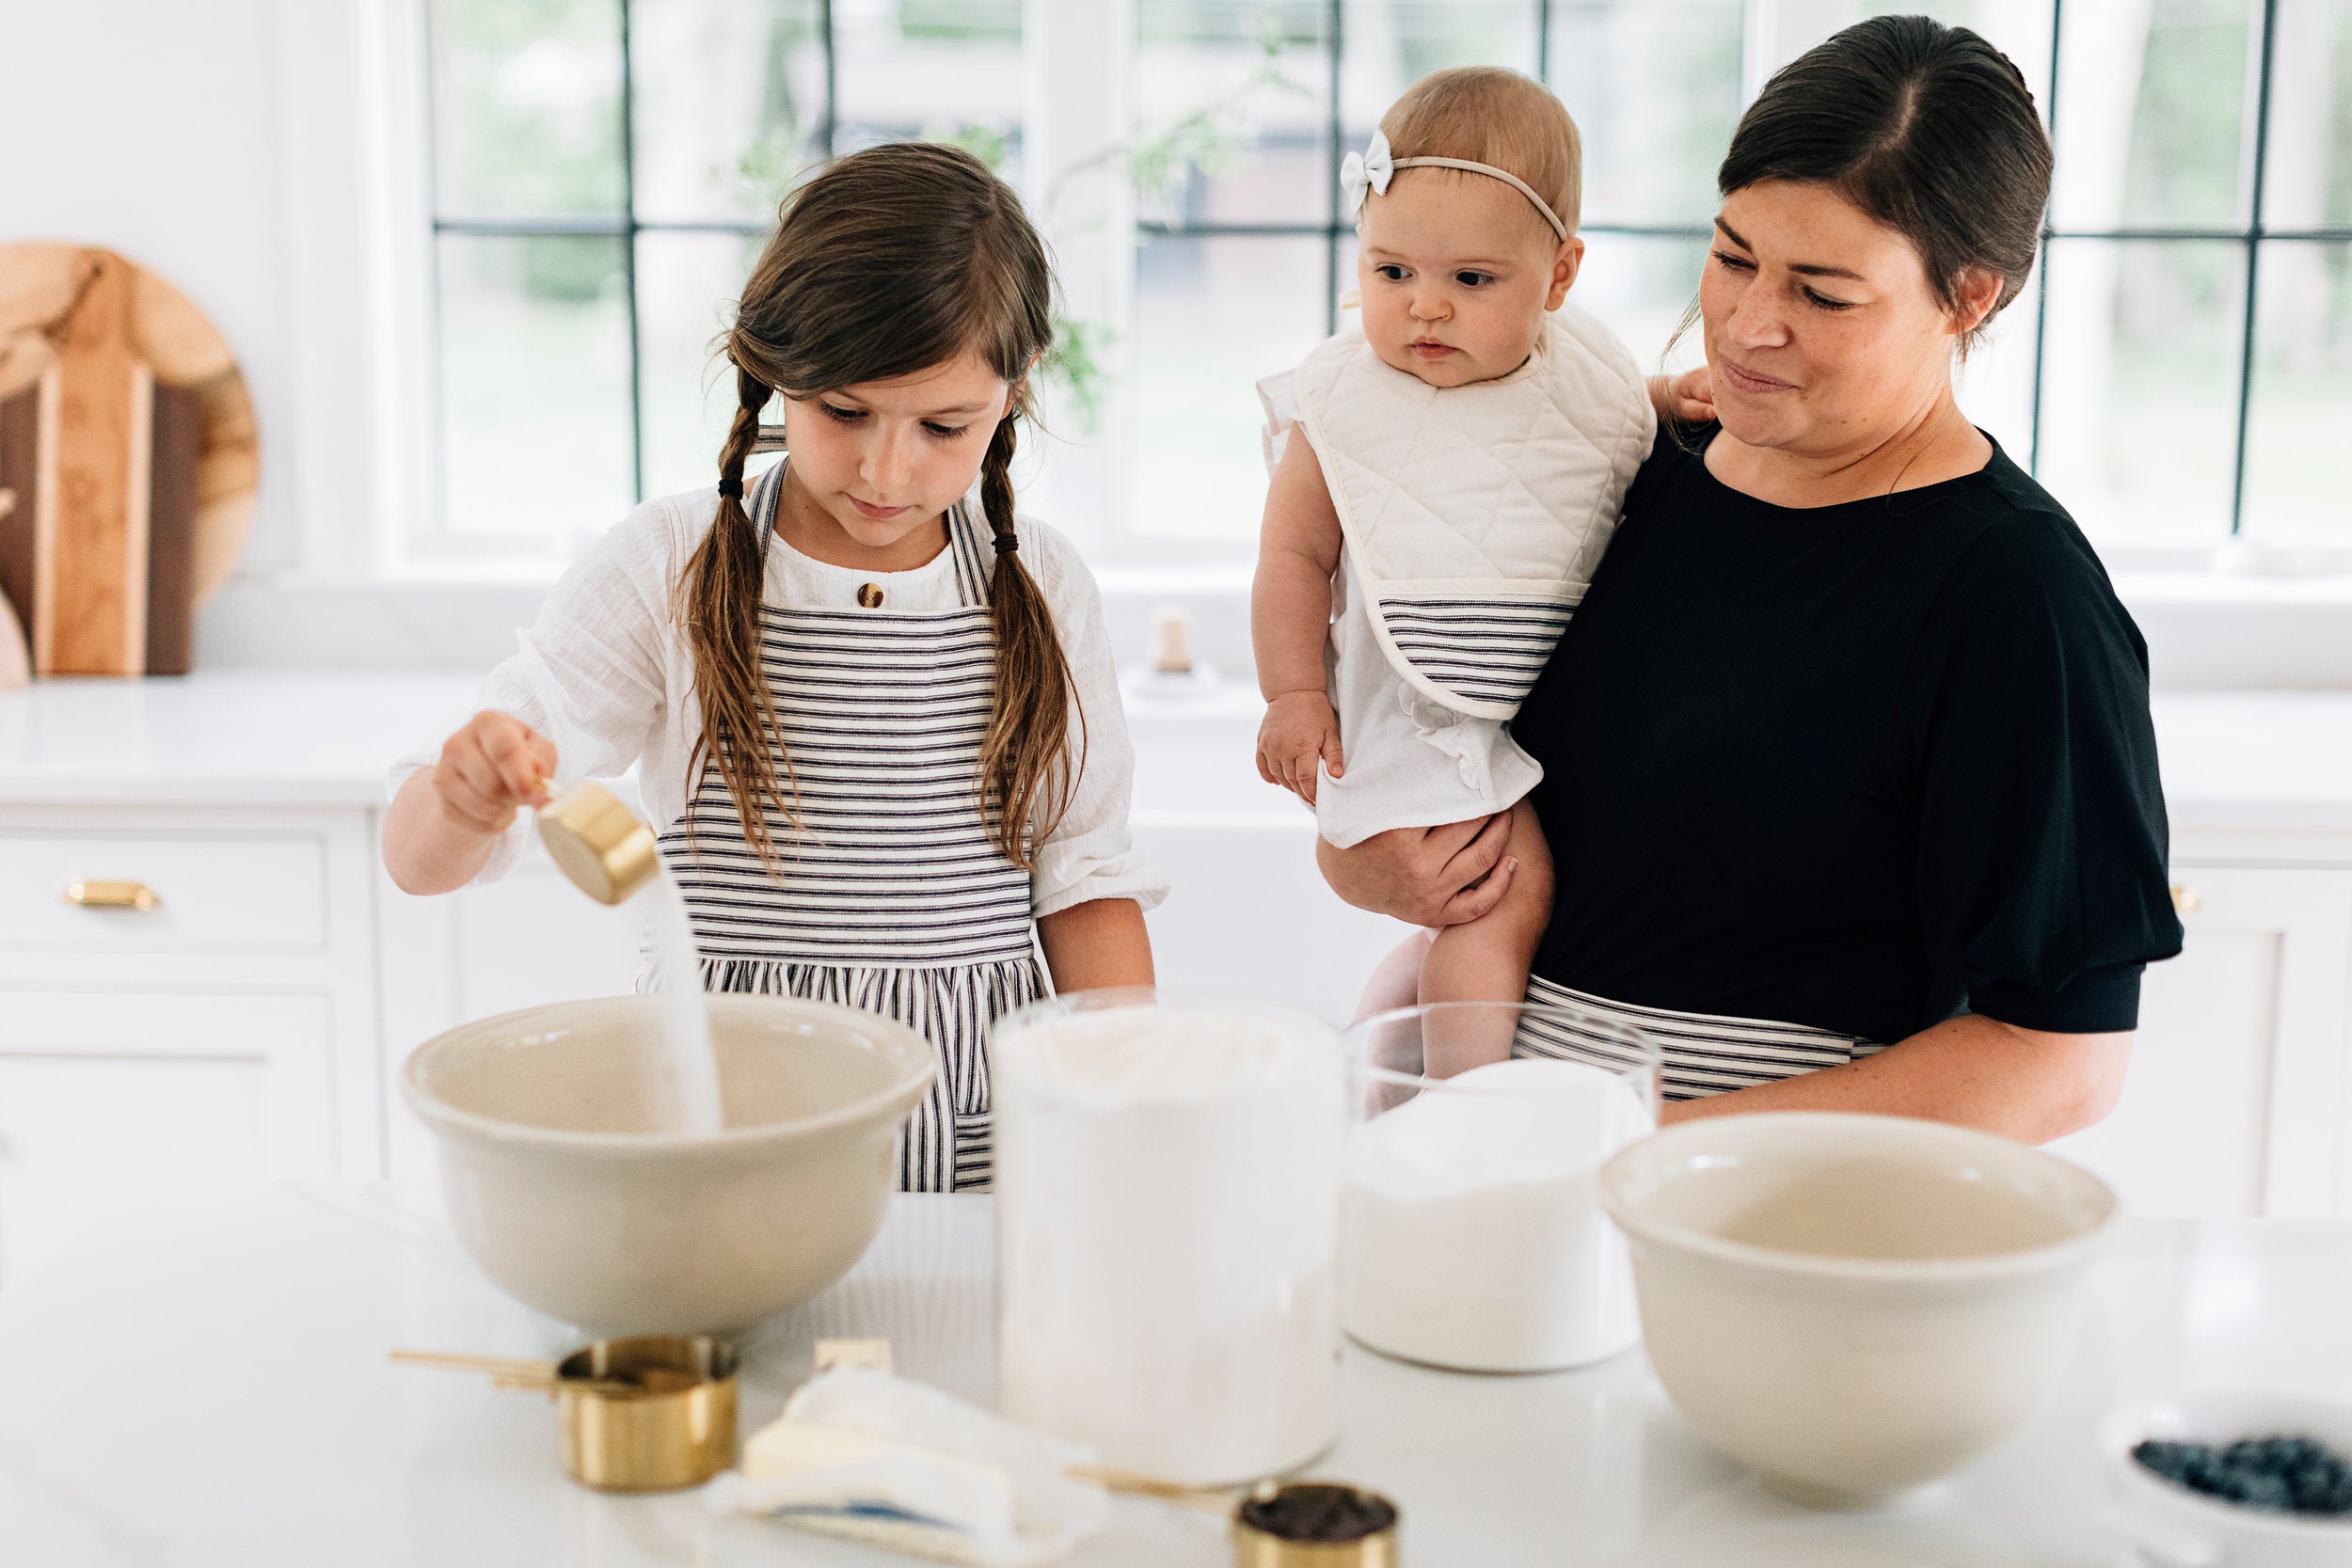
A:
[1685,398]
[1299,729]
[489,769]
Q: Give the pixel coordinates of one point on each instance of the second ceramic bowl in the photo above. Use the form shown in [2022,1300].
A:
[1854,1306]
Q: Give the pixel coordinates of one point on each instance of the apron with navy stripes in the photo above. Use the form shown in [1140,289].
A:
[893,897]
[1705,1053]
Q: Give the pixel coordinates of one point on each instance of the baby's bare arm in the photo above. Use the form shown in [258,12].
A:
[1289,618]
[1298,549]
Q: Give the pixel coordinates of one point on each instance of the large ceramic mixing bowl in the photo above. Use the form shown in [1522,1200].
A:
[563,1190]
[1855,1305]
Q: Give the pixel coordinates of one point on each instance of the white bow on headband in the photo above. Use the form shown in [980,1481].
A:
[1373,168]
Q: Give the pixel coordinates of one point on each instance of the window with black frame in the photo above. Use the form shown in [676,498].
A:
[2180,372]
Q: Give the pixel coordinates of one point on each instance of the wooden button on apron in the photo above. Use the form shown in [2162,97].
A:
[870,595]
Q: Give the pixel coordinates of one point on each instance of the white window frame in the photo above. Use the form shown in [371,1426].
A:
[1079,59]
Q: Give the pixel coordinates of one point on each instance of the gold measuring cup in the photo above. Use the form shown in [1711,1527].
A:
[1260,1524]
[652,1414]
[598,841]
[1260,1515]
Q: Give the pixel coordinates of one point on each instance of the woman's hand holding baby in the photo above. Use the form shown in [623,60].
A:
[1299,729]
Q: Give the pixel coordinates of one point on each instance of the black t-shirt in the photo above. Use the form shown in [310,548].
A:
[1856,766]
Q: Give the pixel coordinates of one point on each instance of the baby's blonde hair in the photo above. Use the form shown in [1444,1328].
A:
[1488,115]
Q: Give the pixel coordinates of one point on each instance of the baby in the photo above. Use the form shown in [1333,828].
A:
[1465,461]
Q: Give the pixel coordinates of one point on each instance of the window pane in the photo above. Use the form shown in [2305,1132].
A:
[1994,383]
[2151,107]
[2018,28]
[2308,172]
[1655,91]
[1213,317]
[730,100]
[2298,467]
[535,386]
[1641,287]
[2139,386]
[687,286]
[1389,45]
[942,68]
[526,108]
[1237,99]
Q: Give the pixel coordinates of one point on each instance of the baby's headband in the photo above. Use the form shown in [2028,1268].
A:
[1374,167]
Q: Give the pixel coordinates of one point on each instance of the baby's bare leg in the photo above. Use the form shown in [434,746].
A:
[1486,959]
[1395,980]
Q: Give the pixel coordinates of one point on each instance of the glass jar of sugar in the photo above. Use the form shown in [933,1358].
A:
[1167,1222]
[1473,1235]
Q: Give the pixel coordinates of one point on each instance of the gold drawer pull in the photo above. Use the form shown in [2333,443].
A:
[94,895]
[2187,900]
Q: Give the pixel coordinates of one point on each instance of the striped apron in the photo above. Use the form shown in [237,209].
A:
[1705,1053]
[893,897]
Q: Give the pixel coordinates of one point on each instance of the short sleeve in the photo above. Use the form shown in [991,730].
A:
[2042,844]
[1277,396]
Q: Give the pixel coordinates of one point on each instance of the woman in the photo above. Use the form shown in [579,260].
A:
[1850,780]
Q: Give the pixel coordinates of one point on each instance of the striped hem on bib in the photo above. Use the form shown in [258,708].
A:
[1481,650]
[1705,1053]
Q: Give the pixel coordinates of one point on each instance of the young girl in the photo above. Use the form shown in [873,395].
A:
[1465,461]
[878,727]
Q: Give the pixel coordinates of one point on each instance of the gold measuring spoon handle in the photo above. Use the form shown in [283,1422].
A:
[464,1361]
[1134,1484]
[513,1373]
[576,1385]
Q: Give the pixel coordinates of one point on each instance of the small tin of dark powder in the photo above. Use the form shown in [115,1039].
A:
[1315,1524]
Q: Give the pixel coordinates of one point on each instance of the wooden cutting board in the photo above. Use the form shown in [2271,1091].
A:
[128,460]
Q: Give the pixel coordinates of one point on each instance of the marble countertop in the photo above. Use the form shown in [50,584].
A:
[2272,760]
[200,1378]
[232,739]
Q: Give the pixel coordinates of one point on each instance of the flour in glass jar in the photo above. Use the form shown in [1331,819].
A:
[1168,1196]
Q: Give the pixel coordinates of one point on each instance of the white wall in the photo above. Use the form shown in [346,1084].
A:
[216,143]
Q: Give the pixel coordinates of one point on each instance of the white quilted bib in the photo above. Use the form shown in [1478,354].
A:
[1474,515]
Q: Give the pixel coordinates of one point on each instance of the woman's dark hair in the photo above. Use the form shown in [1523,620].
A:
[891,262]
[1929,129]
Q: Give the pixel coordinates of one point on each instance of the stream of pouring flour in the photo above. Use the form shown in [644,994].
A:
[687,1065]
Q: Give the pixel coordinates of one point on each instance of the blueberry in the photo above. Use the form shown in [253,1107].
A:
[2267,1492]
[2277,1472]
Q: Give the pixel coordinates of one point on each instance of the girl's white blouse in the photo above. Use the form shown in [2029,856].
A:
[606,675]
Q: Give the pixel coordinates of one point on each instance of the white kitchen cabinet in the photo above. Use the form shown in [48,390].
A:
[229,1027]
[2237,1095]
[97,1088]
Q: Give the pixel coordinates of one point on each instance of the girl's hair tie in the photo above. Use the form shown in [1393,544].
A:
[1008,542]
[732,488]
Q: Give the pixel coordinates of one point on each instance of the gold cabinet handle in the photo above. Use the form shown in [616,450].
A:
[2187,900]
[94,895]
